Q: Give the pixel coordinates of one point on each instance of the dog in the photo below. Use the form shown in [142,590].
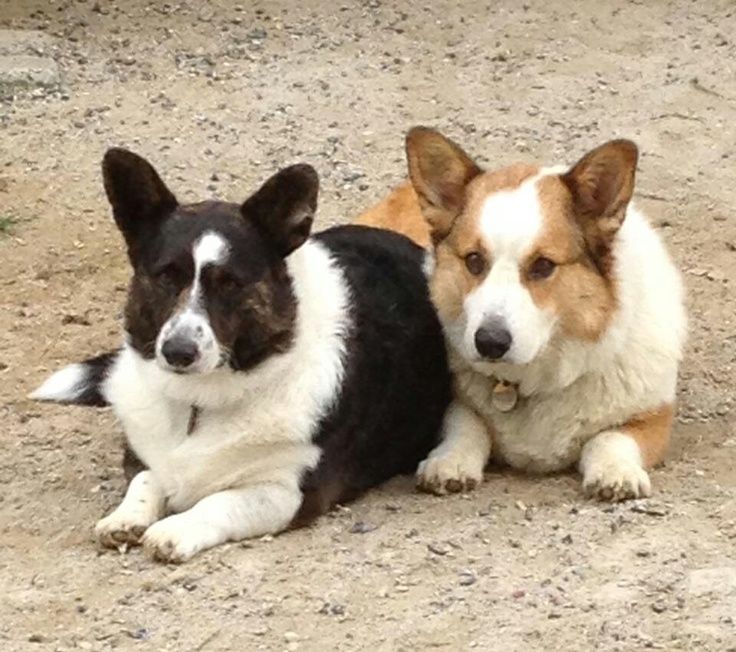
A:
[266,374]
[562,311]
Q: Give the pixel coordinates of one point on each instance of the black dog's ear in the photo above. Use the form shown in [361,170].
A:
[138,197]
[284,207]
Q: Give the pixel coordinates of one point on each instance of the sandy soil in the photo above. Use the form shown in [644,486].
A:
[219,96]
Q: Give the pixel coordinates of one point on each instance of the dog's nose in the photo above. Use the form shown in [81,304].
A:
[492,340]
[179,352]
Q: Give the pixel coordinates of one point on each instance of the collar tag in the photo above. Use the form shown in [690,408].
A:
[504,396]
[193,418]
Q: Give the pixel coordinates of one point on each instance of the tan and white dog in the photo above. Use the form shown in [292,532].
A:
[562,311]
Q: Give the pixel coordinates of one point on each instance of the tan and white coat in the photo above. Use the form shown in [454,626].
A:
[591,301]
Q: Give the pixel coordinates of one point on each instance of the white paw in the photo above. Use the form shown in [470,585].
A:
[124,527]
[616,480]
[450,472]
[173,540]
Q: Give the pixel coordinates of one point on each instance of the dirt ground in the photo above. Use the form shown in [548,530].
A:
[219,96]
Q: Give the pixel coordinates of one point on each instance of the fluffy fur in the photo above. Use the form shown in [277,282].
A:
[265,375]
[581,305]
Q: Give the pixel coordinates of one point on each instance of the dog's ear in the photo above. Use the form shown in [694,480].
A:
[283,208]
[601,184]
[138,197]
[440,171]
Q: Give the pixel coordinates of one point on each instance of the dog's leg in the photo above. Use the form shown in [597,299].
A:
[613,463]
[142,506]
[229,515]
[457,463]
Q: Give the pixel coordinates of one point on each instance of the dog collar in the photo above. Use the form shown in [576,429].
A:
[193,418]
[504,396]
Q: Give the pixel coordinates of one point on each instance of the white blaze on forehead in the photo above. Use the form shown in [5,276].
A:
[511,220]
[192,321]
[509,224]
[210,249]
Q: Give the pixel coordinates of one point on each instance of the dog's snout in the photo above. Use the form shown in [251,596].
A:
[493,340]
[180,352]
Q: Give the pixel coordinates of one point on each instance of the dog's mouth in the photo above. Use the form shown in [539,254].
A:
[195,369]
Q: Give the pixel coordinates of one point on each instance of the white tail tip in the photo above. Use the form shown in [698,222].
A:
[63,386]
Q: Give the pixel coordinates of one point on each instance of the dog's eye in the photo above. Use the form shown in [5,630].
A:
[168,275]
[541,268]
[229,283]
[475,263]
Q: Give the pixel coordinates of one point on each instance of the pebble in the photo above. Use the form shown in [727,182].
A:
[360,527]
[650,508]
[467,578]
[438,549]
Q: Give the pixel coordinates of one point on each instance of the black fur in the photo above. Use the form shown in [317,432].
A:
[89,391]
[397,384]
[388,413]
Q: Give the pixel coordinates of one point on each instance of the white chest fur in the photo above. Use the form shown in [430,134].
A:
[254,426]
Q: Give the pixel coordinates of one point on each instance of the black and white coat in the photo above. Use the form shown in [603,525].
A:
[266,375]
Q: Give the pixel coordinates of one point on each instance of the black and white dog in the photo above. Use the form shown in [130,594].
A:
[266,374]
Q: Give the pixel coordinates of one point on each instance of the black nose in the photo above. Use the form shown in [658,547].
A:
[492,340]
[179,352]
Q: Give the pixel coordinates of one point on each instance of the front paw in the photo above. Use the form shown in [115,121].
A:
[449,473]
[122,528]
[616,480]
[172,540]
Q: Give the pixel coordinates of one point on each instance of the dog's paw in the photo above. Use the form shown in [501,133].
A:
[616,480]
[449,473]
[122,528]
[172,540]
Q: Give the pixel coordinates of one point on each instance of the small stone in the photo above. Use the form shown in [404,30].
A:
[649,508]
[659,607]
[716,581]
[24,41]
[359,527]
[35,638]
[78,320]
[23,72]
[467,578]
[141,634]
[290,637]
[519,593]
[437,549]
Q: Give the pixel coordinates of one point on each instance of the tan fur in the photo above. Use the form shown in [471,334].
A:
[507,178]
[582,299]
[601,184]
[452,281]
[399,212]
[651,431]
[440,172]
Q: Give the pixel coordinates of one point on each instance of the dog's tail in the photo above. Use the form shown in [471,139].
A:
[78,384]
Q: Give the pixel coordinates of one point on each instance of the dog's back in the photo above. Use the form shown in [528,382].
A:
[396,386]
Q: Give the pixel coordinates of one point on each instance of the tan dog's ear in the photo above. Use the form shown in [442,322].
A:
[601,184]
[439,170]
